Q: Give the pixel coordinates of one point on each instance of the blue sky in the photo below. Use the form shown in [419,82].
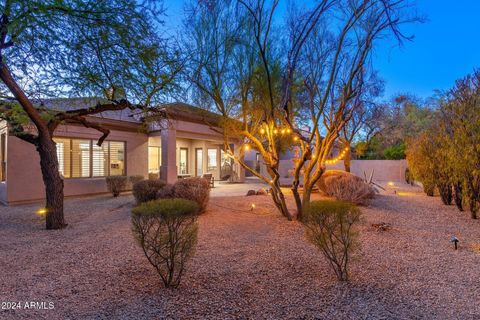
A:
[445,48]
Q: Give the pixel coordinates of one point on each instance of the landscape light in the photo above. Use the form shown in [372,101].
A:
[41,212]
[455,241]
[252,206]
[262,131]
[247,147]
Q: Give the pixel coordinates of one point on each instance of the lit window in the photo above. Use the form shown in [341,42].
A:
[154,159]
[79,158]
[211,159]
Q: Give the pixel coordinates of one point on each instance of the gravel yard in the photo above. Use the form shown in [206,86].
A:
[248,265]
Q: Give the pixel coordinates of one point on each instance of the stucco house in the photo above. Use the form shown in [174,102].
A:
[182,142]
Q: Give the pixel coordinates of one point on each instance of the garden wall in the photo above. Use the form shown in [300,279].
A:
[384,170]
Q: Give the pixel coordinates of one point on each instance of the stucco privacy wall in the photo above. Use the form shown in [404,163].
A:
[3,184]
[24,180]
[384,170]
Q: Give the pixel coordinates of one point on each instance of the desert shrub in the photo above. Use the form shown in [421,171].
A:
[146,190]
[166,192]
[153,176]
[395,152]
[116,184]
[346,187]
[135,178]
[330,227]
[195,189]
[167,232]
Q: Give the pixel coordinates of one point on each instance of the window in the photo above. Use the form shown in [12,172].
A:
[82,158]
[211,159]
[183,165]
[154,159]
[3,156]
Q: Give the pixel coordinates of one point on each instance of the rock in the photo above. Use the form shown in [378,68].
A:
[261,192]
[251,193]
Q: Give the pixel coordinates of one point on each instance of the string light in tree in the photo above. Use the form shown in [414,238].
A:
[337,158]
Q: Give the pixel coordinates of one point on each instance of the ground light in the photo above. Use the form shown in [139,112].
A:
[455,241]
[42,212]
[252,206]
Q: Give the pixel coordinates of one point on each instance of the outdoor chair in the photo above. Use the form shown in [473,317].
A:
[210,179]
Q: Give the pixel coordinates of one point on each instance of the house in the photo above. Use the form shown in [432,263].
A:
[183,142]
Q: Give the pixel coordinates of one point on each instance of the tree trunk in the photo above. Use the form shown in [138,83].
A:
[296,196]
[347,160]
[53,183]
[458,195]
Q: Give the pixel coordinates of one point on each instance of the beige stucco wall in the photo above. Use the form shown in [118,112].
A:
[3,185]
[24,180]
[383,170]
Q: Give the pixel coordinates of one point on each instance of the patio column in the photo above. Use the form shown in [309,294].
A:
[238,168]
[168,168]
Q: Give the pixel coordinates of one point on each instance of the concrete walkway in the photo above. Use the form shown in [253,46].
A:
[223,189]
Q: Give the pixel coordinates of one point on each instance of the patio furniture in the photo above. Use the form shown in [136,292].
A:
[210,179]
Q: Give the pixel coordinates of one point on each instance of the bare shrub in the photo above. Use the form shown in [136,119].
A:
[166,192]
[345,186]
[329,226]
[153,176]
[116,184]
[167,232]
[135,178]
[195,189]
[146,190]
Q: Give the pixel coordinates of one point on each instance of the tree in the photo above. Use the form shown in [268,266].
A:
[76,48]
[334,77]
[365,117]
[461,112]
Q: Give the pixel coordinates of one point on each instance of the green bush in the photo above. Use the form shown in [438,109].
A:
[196,189]
[395,152]
[167,232]
[330,227]
[135,178]
[116,184]
[146,190]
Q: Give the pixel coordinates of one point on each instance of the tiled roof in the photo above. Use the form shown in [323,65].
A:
[67,104]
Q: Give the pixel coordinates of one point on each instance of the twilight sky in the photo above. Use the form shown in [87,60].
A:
[446,47]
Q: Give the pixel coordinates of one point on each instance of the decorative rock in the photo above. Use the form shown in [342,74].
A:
[261,192]
[251,193]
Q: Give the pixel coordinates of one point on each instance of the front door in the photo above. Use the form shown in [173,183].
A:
[199,162]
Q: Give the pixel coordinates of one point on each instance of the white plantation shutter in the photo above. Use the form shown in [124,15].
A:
[100,159]
[117,158]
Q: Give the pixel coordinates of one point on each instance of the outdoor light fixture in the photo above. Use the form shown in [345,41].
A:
[455,241]
[262,131]
[288,130]
[391,184]
[283,131]
[41,212]
[275,131]
[252,206]
[247,147]
[295,138]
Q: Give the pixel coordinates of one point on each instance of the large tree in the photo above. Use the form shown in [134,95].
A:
[78,48]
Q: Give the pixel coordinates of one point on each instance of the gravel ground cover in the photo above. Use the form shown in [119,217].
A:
[248,265]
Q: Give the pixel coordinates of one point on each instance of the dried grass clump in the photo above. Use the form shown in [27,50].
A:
[345,186]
